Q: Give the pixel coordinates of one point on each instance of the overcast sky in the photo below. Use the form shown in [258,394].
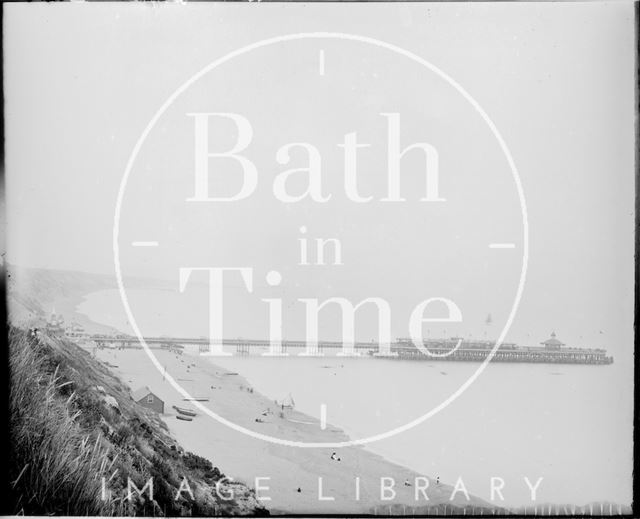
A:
[82,83]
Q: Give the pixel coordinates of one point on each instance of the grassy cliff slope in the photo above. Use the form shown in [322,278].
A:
[78,441]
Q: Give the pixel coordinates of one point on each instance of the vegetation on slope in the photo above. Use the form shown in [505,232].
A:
[78,439]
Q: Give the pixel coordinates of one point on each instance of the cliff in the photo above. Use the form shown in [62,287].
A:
[78,442]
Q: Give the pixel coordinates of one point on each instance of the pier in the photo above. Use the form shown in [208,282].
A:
[474,351]
[240,346]
[552,351]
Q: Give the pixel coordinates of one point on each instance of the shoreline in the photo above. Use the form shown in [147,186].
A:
[351,485]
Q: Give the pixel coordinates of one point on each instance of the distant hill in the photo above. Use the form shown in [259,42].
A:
[33,293]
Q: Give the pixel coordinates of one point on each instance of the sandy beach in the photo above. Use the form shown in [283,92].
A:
[283,469]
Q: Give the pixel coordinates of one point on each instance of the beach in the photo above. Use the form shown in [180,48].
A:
[351,484]
[517,420]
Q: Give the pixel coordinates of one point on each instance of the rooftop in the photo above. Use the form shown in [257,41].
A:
[140,393]
[552,341]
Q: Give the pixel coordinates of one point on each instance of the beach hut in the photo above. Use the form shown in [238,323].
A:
[146,398]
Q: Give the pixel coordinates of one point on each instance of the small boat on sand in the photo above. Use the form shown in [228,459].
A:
[185,418]
[196,399]
[186,412]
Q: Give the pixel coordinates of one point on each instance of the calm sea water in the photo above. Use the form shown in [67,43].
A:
[568,424]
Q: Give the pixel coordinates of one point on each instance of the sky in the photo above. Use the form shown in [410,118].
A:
[82,83]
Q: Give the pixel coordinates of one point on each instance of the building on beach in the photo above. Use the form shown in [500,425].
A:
[55,324]
[75,331]
[146,398]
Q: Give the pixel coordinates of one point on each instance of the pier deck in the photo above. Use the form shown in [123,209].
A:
[441,350]
[527,355]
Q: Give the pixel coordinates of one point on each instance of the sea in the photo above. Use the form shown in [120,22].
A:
[570,425]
